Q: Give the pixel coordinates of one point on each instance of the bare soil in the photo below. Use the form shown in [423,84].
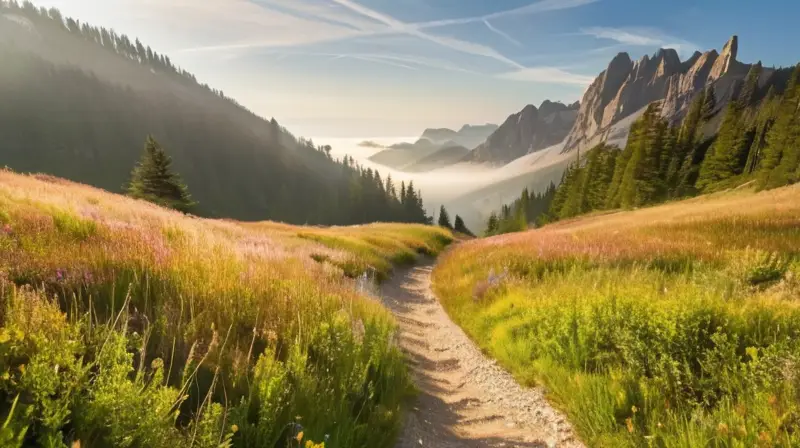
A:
[465,399]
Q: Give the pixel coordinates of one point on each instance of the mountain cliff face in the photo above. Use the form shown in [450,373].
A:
[527,131]
[627,86]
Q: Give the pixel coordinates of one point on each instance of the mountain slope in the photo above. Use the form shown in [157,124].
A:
[444,157]
[79,102]
[401,155]
[527,131]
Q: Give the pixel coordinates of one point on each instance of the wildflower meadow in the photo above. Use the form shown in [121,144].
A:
[125,324]
[672,326]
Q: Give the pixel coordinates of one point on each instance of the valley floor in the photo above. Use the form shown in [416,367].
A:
[465,400]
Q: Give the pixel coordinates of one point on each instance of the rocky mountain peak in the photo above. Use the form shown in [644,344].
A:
[550,107]
[726,59]
[627,87]
[529,130]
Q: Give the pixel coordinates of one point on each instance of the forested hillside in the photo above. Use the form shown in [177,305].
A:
[756,139]
[79,101]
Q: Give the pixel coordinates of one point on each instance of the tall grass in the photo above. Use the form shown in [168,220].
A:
[676,326]
[125,324]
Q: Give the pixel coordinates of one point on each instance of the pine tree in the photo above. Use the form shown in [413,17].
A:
[774,170]
[764,122]
[599,174]
[153,180]
[444,218]
[573,197]
[492,225]
[747,96]
[461,227]
[688,137]
[640,183]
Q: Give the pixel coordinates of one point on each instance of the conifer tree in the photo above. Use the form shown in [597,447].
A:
[492,225]
[461,227]
[774,170]
[600,169]
[750,88]
[153,180]
[688,139]
[765,119]
[727,155]
[444,218]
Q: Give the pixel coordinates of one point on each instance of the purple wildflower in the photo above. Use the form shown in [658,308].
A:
[59,274]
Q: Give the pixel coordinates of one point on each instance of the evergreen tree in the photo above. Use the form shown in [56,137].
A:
[639,183]
[153,180]
[728,154]
[461,227]
[764,122]
[600,170]
[688,139]
[444,218]
[782,138]
[492,225]
[573,184]
[749,91]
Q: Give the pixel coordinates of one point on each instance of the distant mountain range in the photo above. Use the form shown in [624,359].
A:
[611,104]
[436,148]
[530,130]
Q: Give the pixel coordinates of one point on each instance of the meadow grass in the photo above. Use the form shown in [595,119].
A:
[126,324]
[673,326]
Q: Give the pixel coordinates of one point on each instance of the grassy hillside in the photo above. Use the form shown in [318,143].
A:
[674,326]
[125,324]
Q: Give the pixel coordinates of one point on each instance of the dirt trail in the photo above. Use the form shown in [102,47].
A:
[465,399]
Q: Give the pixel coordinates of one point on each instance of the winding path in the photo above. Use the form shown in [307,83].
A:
[465,399]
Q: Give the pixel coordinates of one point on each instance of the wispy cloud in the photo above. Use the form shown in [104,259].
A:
[552,75]
[379,60]
[292,24]
[648,37]
[533,8]
[622,36]
[502,34]
[414,30]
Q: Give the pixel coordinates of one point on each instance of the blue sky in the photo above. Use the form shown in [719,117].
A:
[369,68]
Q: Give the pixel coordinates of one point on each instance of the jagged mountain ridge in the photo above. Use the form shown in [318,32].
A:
[627,86]
[530,130]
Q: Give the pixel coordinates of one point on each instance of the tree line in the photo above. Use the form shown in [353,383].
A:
[758,141]
[80,124]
